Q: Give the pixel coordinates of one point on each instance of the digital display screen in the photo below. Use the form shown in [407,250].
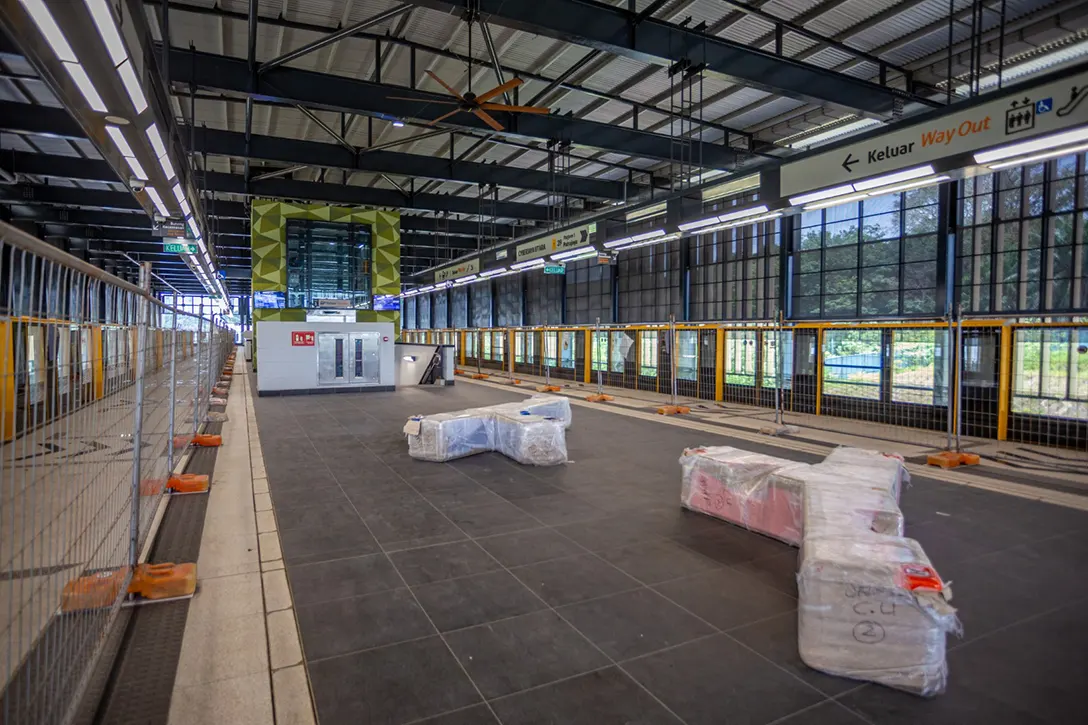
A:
[269,300]
[387,302]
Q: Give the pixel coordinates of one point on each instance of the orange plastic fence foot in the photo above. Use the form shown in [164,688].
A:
[951,459]
[673,410]
[548,389]
[94,591]
[219,390]
[163,581]
[515,381]
[189,483]
[480,376]
[601,398]
[207,440]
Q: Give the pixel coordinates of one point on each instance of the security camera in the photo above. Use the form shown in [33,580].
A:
[136,184]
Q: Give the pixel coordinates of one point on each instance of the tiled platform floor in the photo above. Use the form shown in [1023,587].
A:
[455,594]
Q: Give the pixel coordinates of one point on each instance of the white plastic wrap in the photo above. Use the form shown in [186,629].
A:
[885,470]
[513,429]
[871,607]
[548,406]
[838,498]
[735,486]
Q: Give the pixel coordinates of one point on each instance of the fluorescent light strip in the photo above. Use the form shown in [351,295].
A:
[178,193]
[560,256]
[185,208]
[493,272]
[648,242]
[157,200]
[583,255]
[910,185]
[465,280]
[636,238]
[1030,147]
[107,28]
[83,82]
[834,202]
[740,223]
[527,265]
[1024,160]
[49,29]
[167,167]
[119,141]
[688,226]
[137,168]
[898,176]
[155,138]
[756,210]
[132,85]
[820,195]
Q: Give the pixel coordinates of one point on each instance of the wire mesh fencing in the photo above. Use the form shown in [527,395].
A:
[96,378]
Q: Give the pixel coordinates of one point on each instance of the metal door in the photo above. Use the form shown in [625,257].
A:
[366,368]
[331,354]
[348,358]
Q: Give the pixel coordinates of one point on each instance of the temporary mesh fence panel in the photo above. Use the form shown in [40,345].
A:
[98,380]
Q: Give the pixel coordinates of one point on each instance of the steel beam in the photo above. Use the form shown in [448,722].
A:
[365,196]
[28,118]
[314,153]
[333,37]
[338,93]
[624,33]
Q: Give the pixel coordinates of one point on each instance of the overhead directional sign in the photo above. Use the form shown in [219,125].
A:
[179,248]
[456,271]
[1044,109]
[171,229]
[557,242]
[555,268]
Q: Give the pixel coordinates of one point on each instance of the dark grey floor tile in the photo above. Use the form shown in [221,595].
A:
[605,697]
[631,624]
[322,514]
[478,599]
[610,533]
[731,545]
[306,498]
[726,598]
[516,485]
[522,652]
[565,581]
[778,571]
[347,625]
[478,715]
[689,680]
[397,524]
[529,547]
[826,713]
[444,561]
[558,508]
[472,494]
[491,518]
[321,543]
[390,685]
[341,578]
[656,561]
[286,485]
[776,639]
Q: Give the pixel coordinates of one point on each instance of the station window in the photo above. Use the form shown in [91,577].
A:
[687,355]
[649,283]
[1050,372]
[647,358]
[775,365]
[619,351]
[918,365]
[600,350]
[499,346]
[852,363]
[485,340]
[740,357]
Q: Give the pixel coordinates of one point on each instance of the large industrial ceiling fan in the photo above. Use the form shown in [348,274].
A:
[479,105]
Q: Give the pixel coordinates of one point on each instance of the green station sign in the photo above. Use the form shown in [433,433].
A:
[555,269]
[179,247]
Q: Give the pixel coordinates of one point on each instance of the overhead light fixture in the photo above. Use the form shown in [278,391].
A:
[1024,160]
[1034,146]
[119,140]
[398,124]
[49,29]
[731,188]
[689,226]
[894,178]
[493,272]
[178,193]
[137,168]
[804,140]
[635,238]
[132,86]
[157,200]
[583,255]
[527,265]
[649,241]
[83,82]
[754,211]
[740,223]
[155,138]
[185,208]
[560,256]
[650,211]
[107,29]
[834,202]
[465,280]
[820,195]
[929,181]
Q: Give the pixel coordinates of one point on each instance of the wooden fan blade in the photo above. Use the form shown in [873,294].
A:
[499,90]
[514,109]
[443,84]
[444,116]
[423,100]
[483,116]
